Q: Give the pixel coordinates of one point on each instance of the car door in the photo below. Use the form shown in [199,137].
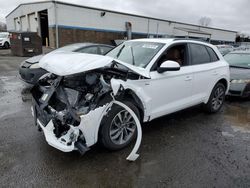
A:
[204,64]
[170,91]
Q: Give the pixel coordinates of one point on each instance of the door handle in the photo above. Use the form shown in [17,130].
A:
[188,78]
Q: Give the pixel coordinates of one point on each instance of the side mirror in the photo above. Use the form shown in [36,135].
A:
[168,66]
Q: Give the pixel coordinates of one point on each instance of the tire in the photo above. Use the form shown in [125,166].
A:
[6,45]
[109,136]
[216,99]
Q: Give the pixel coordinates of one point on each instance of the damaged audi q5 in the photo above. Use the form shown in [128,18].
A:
[85,98]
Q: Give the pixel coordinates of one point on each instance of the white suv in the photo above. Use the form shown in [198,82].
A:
[76,103]
[4,39]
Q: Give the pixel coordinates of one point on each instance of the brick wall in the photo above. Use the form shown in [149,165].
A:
[52,37]
[68,36]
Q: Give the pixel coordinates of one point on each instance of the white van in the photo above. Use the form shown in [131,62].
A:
[4,40]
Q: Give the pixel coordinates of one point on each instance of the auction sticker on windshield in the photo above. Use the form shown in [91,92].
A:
[151,46]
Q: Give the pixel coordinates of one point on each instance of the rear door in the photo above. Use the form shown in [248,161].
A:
[204,63]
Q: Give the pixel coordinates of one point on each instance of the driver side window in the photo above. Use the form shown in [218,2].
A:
[176,53]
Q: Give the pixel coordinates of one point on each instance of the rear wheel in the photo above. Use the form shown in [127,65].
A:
[216,99]
[118,127]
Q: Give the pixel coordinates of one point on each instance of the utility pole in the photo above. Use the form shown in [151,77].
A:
[56,25]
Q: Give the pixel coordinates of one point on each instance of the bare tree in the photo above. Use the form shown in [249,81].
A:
[205,21]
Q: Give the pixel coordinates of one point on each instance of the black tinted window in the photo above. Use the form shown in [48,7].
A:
[104,49]
[199,54]
[88,50]
[212,54]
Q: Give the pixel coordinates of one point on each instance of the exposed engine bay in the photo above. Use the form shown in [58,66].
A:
[69,109]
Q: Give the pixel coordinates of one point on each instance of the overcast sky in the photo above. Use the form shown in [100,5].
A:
[226,14]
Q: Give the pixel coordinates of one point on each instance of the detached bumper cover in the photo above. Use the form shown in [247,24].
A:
[52,140]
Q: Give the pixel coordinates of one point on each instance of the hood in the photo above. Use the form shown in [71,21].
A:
[34,59]
[37,58]
[69,63]
[239,73]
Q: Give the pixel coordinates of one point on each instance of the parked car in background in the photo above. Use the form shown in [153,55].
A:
[30,71]
[239,62]
[4,40]
[74,104]
[242,47]
[225,49]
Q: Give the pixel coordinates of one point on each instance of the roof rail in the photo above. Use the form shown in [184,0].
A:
[200,40]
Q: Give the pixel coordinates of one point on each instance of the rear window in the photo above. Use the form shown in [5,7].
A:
[212,54]
[199,54]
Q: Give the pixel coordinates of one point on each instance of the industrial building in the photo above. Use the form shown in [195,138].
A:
[59,23]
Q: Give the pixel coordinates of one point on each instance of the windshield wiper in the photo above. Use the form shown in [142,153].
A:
[133,57]
[120,51]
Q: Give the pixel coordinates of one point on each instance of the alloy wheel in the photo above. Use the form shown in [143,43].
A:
[218,98]
[122,127]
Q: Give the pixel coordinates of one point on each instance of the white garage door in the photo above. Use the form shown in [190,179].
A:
[32,22]
[17,26]
[24,23]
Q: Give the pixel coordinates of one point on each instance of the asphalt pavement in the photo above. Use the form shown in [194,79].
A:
[185,149]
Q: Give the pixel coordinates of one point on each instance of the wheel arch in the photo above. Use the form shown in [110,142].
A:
[224,81]
[131,96]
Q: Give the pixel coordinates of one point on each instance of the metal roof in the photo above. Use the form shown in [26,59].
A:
[192,30]
[112,11]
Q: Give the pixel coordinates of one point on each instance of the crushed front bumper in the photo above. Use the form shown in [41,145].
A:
[65,143]
[52,140]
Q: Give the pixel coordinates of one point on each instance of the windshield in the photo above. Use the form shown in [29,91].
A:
[137,53]
[3,35]
[238,59]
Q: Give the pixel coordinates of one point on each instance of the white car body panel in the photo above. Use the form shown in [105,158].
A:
[68,63]
[166,87]
[34,59]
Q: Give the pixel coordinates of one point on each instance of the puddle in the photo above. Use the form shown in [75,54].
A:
[227,134]
[240,129]
[237,114]
[11,95]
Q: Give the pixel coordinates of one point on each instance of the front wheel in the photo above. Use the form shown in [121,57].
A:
[216,99]
[118,128]
[6,45]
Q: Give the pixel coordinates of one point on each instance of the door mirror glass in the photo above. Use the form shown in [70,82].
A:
[168,66]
